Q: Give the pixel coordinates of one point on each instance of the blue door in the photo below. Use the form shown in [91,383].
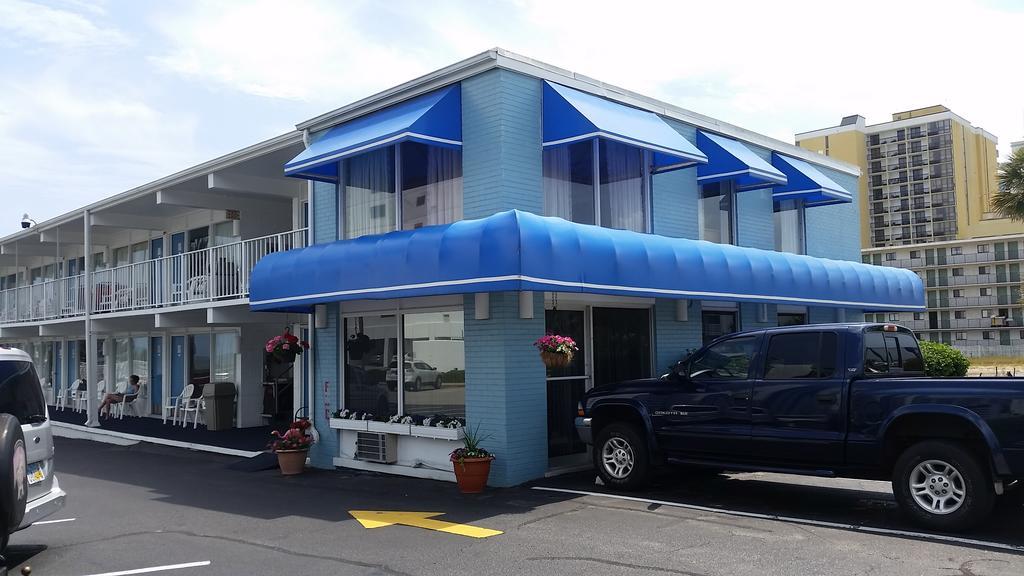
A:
[156,374]
[177,365]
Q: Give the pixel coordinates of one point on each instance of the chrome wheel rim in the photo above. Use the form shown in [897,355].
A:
[617,457]
[937,487]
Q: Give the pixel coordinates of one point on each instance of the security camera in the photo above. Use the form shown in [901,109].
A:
[27,222]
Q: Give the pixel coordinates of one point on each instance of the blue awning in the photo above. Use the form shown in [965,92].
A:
[807,183]
[522,251]
[729,159]
[434,118]
[571,116]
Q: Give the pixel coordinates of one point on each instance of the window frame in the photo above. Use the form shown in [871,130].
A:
[820,356]
[752,368]
[733,217]
[798,207]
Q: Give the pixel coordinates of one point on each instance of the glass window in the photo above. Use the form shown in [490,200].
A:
[622,190]
[20,393]
[224,233]
[727,360]
[961,336]
[716,212]
[801,355]
[986,335]
[139,251]
[715,324]
[984,291]
[431,185]
[371,346]
[569,182]
[956,251]
[122,363]
[198,238]
[122,256]
[198,359]
[369,196]
[960,314]
[958,271]
[791,319]
[435,364]
[140,358]
[888,351]
[789,226]
[225,350]
[986,313]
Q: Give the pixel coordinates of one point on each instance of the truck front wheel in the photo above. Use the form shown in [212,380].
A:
[621,457]
[943,486]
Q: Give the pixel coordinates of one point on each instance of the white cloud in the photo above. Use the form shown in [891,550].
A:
[36,24]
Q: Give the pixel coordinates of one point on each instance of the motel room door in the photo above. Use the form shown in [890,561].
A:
[566,385]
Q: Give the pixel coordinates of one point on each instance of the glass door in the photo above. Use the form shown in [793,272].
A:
[622,344]
[566,385]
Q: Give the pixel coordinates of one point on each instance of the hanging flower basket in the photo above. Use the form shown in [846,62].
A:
[556,351]
[285,347]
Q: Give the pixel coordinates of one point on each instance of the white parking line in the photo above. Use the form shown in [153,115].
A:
[155,569]
[806,521]
[54,521]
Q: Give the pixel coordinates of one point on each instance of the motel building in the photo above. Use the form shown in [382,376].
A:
[423,238]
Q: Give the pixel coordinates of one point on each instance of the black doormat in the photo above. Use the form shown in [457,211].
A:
[258,463]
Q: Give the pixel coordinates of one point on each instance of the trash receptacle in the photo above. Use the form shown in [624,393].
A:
[220,405]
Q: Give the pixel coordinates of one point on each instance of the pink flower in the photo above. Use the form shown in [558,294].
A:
[285,347]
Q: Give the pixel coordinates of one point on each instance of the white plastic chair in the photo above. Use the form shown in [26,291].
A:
[130,401]
[176,403]
[191,405]
[63,392]
[80,395]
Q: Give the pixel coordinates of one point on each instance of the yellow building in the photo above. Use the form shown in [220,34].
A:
[928,176]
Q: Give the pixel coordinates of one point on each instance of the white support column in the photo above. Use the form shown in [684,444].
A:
[682,310]
[526,304]
[90,342]
[482,305]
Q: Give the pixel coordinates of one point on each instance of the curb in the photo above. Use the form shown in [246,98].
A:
[65,430]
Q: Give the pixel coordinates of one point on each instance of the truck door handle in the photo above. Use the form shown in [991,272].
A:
[741,396]
[827,397]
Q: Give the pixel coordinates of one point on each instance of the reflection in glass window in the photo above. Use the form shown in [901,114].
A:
[569,182]
[727,360]
[801,355]
[622,191]
[371,345]
[789,226]
[198,359]
[435,364]
[122,364]
[140,358]
[431,185]
[716,212]
[370,193]
[225,347]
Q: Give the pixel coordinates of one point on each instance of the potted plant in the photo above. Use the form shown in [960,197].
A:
[472,463]
[292,446]
[284,347]
[556,351]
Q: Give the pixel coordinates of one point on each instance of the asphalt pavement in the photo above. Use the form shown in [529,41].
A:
[146,509]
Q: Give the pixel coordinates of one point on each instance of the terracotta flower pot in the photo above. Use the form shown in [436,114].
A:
[292,461]
[471,474]
[555,360]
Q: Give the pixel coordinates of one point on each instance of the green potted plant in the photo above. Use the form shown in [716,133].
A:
[292,446]
[471,462]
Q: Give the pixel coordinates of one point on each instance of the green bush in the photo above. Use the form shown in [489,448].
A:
[943,360]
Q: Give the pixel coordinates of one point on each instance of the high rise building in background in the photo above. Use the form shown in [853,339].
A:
[1014,146]
[927,178]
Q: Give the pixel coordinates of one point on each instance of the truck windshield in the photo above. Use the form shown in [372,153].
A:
[891,353]
[20,394]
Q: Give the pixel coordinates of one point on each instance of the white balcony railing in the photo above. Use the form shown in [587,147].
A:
[216,273]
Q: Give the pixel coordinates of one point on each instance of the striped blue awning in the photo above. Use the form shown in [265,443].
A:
[805,182]
[730,159]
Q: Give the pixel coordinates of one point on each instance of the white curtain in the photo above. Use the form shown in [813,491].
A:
[557,183]
[369,193]
[622,195]
[439,199]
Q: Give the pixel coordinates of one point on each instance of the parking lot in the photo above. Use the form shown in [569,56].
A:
[149,509]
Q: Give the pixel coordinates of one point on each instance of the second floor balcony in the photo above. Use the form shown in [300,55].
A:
[218,273]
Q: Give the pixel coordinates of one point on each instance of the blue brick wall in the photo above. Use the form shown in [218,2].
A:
[672,338]
[506,390]
[821,315]
[325,340]
[501,151]
[325,212]
[834,231]
[674,198]
[755,223]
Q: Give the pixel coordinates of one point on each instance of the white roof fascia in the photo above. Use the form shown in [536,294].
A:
[500,58]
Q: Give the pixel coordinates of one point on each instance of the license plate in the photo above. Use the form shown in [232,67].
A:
[36,474]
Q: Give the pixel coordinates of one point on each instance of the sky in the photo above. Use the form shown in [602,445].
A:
[97,97]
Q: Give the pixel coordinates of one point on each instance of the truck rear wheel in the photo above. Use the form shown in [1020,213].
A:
[621,457]
[943,486]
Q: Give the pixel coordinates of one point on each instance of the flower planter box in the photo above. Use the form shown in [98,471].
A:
[346,424]
[436,433]
[388,428]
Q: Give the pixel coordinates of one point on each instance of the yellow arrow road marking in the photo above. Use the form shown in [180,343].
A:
[382,518]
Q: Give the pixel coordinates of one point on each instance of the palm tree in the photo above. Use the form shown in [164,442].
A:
[1009,200]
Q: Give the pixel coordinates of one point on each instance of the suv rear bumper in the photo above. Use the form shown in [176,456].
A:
[43,506]
[584,430]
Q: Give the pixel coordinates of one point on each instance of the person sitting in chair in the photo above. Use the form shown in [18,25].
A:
[118,397]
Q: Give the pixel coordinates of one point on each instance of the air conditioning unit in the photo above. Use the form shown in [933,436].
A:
[376,447]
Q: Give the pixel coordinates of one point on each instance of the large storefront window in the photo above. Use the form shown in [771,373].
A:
[717,212]
[371,345]
[198,359]
[435,364]
[431,185]
[140,358]
[122,363]
[789,226]
[620,198]
[225,349]
[370,193]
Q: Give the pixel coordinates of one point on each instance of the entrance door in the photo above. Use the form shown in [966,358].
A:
[177,365]
[156,374]
[566,385]
[622,344]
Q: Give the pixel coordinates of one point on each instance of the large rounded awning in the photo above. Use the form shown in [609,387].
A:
[515,250]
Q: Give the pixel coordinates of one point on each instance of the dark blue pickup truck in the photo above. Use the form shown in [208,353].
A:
[846,400]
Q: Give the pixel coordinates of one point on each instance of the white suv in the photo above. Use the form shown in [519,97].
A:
[21,396]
